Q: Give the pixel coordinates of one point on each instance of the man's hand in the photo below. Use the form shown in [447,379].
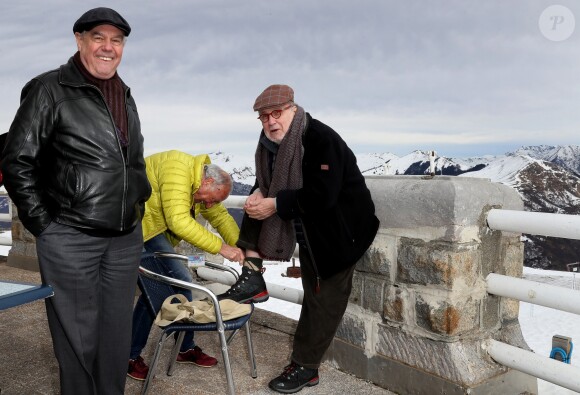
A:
[253,198]
[260,208]
[233,254]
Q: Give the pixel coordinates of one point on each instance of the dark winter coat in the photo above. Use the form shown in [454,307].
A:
[334,203]
[63,160]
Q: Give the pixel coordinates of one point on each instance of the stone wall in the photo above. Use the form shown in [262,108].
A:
[419,311]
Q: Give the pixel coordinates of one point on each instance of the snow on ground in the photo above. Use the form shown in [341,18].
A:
[538,323]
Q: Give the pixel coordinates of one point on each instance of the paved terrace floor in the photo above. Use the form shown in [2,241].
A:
[28,366]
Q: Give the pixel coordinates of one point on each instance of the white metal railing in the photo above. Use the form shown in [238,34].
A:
[556,372]
[546,295]
[235,201]
[545,224]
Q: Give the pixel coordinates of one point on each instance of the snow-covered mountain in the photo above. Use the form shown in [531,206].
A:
[417,162]
[4,209]
[4,204]
[241,168]
[546,177]
[547,187]
[567,156]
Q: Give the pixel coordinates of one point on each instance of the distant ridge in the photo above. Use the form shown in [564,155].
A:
[546,177]
[567,156]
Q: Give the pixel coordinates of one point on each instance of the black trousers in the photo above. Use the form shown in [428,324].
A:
[249,233]
[89,316]
[321,312]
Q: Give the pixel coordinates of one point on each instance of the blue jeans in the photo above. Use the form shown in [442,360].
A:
[142,318]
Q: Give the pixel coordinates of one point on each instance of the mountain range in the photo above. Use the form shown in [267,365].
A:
[546,177]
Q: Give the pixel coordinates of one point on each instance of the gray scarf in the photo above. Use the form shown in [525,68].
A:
[277,239]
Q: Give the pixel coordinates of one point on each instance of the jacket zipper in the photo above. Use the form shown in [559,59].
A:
[125,164]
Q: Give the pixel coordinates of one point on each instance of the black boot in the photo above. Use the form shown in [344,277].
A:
[250,287]
[294,378]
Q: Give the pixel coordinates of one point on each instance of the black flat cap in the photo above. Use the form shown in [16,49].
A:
[101,16]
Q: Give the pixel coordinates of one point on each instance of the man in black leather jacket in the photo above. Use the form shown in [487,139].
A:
[73,166]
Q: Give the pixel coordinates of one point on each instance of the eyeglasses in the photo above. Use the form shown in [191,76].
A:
[275,114]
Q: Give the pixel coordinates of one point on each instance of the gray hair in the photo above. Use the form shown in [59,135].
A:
[219,175]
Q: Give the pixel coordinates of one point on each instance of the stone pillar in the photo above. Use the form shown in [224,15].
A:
[419,311]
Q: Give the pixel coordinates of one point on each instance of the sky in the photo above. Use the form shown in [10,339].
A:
[462,77]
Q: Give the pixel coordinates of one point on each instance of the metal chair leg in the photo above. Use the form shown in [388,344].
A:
[174,352]
[253,365]
[227,365]
[153,365]
[232,334]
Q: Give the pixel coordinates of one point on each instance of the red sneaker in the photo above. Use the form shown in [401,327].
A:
[138,369]
[196,357]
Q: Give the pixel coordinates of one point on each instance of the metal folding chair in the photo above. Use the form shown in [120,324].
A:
[156,288]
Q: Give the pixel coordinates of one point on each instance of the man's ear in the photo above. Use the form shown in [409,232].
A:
[208,181]
[78,39]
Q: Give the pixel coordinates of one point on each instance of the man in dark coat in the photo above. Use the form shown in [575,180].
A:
[309,190]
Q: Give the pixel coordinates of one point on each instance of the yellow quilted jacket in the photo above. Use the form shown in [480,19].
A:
[174,177]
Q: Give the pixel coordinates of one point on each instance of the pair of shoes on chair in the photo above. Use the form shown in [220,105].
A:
[138,369]
[294,378]
[250,287]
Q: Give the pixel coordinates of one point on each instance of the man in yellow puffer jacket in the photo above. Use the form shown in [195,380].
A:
[182,187]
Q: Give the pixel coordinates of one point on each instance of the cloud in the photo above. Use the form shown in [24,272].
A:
[384,74]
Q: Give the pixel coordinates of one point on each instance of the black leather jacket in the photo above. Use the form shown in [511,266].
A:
[63,160]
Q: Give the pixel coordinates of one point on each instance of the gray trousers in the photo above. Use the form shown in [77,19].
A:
[89,316]
[321,312]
